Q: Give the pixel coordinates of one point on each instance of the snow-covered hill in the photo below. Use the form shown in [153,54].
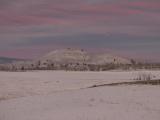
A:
[82,56]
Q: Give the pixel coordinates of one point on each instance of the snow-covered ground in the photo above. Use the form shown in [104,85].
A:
[60,95]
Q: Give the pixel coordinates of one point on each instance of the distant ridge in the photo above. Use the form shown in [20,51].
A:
[5,60]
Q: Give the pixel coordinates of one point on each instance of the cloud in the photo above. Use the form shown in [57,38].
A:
[124,25]
[87,40]
[38,12]
[119,43]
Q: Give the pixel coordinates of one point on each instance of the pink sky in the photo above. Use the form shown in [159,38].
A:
[29,28]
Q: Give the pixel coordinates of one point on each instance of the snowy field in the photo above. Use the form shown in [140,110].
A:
[60,95]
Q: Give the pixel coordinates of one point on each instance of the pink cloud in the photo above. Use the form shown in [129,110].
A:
[29,52]
[72,17]
[77,15]
[16,19]
[146,4]
[56,13]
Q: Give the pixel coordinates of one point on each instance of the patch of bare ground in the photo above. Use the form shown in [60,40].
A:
[10,96]
[2,98]
[142,82]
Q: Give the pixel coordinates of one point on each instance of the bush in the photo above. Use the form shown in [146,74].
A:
[145,76]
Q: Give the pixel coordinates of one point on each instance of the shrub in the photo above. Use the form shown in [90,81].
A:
[145,76]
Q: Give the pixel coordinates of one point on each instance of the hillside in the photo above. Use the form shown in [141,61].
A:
[106,58]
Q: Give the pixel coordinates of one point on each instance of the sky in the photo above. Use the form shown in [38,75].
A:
[31,28]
